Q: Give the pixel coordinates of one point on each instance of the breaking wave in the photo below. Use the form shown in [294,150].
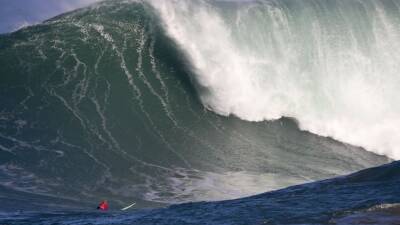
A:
[116,101]
[332,65]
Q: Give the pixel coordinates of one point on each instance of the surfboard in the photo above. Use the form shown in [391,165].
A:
[127,207]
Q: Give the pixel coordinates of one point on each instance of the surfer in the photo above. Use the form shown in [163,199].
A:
[103,206]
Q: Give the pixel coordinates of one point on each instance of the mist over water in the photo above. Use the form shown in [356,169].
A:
[331,65]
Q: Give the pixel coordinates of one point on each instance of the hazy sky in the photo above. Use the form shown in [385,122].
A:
[15,14]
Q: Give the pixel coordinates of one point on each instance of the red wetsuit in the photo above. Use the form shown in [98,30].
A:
[103,206]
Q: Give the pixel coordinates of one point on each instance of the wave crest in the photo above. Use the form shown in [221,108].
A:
[331,65]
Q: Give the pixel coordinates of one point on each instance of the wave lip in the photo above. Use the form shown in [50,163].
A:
[331,65]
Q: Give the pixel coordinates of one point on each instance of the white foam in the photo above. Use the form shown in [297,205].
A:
[191,185]
[337,74]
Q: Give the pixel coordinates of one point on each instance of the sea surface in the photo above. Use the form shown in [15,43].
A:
[203,112]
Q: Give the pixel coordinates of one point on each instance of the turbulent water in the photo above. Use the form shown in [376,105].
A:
[165,102]
[332,65]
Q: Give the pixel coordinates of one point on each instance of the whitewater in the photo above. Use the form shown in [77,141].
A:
[330,65]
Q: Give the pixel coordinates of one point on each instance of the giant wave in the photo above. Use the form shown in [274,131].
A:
[117,100]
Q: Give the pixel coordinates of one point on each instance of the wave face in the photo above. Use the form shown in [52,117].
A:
[332,65]
[104,102]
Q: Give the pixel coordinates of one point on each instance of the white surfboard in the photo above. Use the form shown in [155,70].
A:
[127,207]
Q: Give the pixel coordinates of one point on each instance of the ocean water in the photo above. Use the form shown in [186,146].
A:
[368,197]
[170,102]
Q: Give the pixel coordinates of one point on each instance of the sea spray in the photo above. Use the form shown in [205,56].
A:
[332,65]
